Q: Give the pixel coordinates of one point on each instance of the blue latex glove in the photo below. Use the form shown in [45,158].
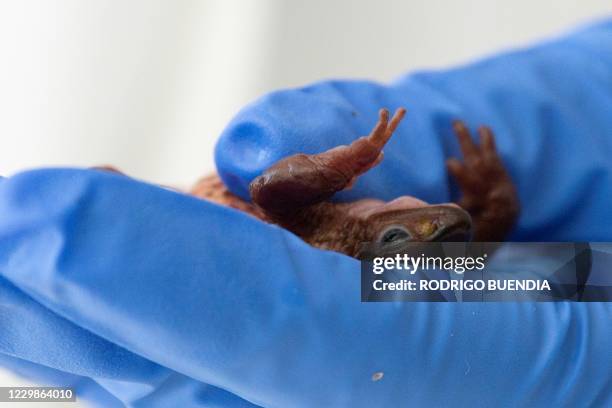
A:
[142,296]
[549,106]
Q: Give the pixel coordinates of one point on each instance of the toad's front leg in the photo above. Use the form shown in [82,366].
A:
[489,194]
[301,181]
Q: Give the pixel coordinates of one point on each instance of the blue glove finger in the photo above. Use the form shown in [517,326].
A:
[84,388]
[98,370]
[189,285]
[175,390]
[549,107]
[65,346]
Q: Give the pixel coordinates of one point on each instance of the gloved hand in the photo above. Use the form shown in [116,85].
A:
[143,296]
[549,108]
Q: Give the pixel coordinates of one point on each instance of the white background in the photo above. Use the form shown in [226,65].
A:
[148,85]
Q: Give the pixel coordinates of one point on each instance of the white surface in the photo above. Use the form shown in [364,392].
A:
[148,85]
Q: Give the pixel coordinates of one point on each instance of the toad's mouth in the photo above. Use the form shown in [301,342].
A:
[457,231]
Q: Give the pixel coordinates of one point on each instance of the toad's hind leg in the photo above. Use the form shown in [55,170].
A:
[488,192]
[301,180]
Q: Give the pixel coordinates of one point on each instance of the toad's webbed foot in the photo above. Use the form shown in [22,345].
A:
[302,180]
[488,192]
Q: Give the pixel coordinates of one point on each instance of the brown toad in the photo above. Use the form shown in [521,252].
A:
[295,192]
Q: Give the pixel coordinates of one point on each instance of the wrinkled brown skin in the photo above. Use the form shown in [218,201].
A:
[489,194]
[295,192]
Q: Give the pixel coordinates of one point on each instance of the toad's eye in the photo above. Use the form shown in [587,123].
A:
[394,234]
